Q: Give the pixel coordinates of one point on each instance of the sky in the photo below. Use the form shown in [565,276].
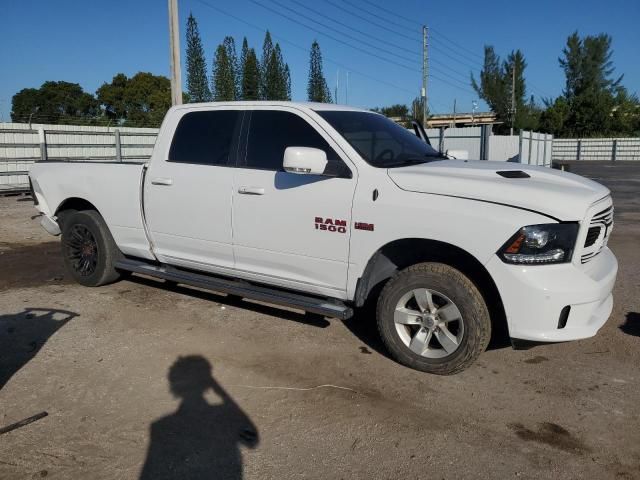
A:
[379,43]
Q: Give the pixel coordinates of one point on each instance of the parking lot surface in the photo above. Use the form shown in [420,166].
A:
[145,380]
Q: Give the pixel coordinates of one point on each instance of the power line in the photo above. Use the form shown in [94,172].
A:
[463,89]
[395,45]
[398,33]
[384,27]
[415,23]
[384,19]
[296,45]
[366,52]
[473,54]
[465,60]
[468,56]
[452,70]
[320,32]
[410,20]
[340,32]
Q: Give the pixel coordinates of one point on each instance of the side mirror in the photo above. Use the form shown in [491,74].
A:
[304,160]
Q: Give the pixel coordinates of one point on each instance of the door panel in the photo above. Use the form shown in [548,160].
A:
[296,228]
[188,195]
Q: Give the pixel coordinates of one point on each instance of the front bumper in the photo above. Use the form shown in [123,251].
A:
[534,296]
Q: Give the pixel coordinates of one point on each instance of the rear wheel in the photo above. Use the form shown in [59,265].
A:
[432,318]
[88,249]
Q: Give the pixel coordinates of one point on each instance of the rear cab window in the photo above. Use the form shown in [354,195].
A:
[206,137]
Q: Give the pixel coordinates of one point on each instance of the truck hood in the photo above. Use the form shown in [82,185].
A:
[554,193]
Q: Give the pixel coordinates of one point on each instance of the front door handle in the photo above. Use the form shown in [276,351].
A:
[251,190]
[162,181]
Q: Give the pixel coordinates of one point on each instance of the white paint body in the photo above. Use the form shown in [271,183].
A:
[198,216]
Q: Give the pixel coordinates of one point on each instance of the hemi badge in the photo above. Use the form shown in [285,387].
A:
[363,226]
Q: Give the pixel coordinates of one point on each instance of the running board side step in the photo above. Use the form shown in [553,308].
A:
[321,306]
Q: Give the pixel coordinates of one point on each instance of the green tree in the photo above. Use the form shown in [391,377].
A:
[317,89]
[287,81]
[276,76]
[142,100]
[54,102]
[554,116]
[148,97]
[590,89]
[25,104]
[267,50]
[250,77]
[244,52]
[625,118]
[230,47]
[197,83]
[495,88]
[396,110]
[111,97]
[223,78]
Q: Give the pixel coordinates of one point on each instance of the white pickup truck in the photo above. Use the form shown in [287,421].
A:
[324,207]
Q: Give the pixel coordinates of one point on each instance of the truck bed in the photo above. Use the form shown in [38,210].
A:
[114,188]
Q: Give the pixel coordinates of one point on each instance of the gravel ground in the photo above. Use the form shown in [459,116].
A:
[123,372]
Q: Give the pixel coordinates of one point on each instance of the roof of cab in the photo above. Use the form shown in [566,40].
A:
[302,105]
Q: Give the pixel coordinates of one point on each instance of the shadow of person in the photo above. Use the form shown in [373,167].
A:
[199,440]
[23,334]
[632,324]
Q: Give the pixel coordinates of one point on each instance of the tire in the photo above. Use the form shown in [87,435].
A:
[88,249]
[416,314]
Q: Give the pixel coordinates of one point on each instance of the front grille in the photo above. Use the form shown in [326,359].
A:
[592,236]
[596,240]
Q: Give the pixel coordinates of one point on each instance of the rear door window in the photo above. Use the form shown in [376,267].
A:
[205,137]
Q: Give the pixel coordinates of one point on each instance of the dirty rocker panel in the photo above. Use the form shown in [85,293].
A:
[319,305]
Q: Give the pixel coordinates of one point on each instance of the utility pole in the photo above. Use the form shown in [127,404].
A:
[337,84]
[454,112]
[425,72]
[174,42]
[513,97]
[346,102]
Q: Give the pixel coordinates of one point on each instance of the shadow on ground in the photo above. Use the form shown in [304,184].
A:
[199,440]
[23,334]
[631,326]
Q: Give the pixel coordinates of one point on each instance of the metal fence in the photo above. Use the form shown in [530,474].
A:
[530,148]
[536,148]
[471,139]
[596,149]
[23,144]
[504,148]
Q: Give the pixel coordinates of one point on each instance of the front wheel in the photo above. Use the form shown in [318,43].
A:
[88,249]
[432,318]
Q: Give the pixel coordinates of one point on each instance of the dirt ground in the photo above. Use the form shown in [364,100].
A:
[123,373]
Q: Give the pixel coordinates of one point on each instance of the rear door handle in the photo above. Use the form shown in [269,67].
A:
[251,190]
[162,181]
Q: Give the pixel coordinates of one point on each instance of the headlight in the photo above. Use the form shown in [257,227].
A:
[541,244]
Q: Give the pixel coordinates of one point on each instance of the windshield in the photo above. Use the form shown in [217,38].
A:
[380,141]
